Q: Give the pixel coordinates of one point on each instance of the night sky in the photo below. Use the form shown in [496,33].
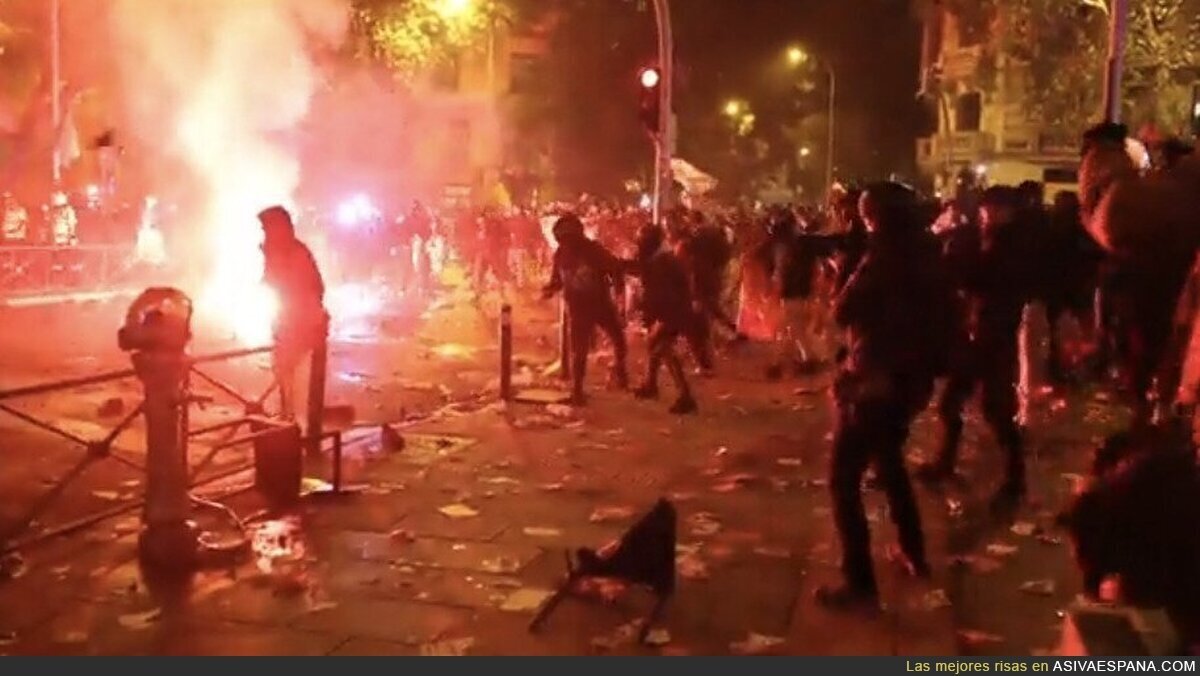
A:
[735,48]
[732,48]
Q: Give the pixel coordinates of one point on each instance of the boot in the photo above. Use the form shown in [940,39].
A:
[647,391]
[685,405]
[847,598]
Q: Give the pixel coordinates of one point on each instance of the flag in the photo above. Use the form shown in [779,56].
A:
[66,148]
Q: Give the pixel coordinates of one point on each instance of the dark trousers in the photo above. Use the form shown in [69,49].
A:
[584,319]
[993,368]
[873,431]
[661,344]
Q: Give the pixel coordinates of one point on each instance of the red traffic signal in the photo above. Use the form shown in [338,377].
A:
[649,108]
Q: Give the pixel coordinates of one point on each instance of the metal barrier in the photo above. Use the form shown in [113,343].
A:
[254,417]
[42,269]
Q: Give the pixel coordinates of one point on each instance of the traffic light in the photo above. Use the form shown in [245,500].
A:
[650,80]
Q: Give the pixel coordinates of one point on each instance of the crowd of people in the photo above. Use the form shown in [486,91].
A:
[904,297]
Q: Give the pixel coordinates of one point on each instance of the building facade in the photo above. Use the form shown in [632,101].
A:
[983,121]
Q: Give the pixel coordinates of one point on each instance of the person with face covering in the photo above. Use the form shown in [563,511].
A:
[898,311]
[302,324]
[668,313]
[586,273]
[996,285]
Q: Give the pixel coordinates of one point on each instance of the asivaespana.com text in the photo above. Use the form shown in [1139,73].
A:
[1084,666]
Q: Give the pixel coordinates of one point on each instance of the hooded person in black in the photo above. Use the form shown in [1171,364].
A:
[668,313]
[301,324]
[994,277]
[586,274]
[898,313]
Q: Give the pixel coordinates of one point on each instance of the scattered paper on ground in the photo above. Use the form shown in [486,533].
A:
[935,600]
[1024,528]
[540,532]
[1039,587]
[658,637]
[525,600]
[139,621]
[1000,549]
[610,514]
[458,511]
[755,644]
[452,648]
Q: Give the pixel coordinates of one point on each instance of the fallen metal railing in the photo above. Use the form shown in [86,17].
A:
[254,417]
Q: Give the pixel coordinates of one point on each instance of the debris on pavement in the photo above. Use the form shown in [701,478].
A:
[1000,549]
[560,410]
[689,564]
[774,552]
[611,514]
[1039,587]
[1024,528]
[623,635]
[458,511]
[755,644]
[525,600]
[12,566]
[954,507]
[457,647]
[541,532]
[111,496]
[789,462]
[140,621]
[72,637]
[974,637]
[981,565]
[658,637]
[703,524]
[1052,540]
[935,599]
[8,638]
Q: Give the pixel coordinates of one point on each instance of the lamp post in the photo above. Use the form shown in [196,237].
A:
[1118,18]
[56,87]
[664,145]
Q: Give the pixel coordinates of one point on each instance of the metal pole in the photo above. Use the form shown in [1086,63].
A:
[55,85]
[1118,22]
[664,143]
[832,114]
[506,354]
[169,539]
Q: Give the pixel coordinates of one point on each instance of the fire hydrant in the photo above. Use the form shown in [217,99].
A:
[156,332]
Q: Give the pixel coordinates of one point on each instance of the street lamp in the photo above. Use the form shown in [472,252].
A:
[733,108]
[805,151]
[797,56]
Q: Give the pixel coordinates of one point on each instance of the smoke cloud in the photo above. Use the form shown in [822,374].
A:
[222,87]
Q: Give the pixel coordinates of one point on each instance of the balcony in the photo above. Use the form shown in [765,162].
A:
[956,149]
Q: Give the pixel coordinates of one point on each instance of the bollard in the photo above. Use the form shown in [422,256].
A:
[315,427]
[156,332]
[169,539]
[506,354]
